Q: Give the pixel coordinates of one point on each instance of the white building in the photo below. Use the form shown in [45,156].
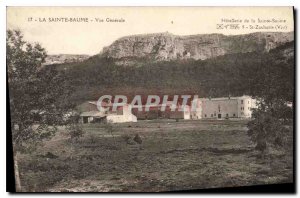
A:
[187,113]
[90,113]
[124,114]
[223,108]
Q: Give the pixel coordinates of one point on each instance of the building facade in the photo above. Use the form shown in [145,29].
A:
[123,114]
[223,108]
[89,113]
[205,108]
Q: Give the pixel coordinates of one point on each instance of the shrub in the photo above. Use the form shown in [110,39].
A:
[75,131]
[267,130]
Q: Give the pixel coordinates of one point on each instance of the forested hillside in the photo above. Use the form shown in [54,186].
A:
[232,74]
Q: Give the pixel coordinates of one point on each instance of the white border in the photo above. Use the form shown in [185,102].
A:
[5,3]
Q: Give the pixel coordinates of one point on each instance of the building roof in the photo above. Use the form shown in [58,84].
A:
[225,98]
[103,104]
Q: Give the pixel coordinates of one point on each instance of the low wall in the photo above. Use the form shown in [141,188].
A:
[121,118]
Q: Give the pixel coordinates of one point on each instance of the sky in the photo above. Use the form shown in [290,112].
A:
[90,37]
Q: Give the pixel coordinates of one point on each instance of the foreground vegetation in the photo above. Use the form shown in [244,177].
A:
[172,156]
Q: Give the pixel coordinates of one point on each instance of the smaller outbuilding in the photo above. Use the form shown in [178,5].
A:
[89,113]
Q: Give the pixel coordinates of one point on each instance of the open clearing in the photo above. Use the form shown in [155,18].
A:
[173,156]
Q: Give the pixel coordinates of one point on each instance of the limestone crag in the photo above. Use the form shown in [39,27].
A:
[166,46]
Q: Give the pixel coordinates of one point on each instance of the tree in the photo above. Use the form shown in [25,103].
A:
[273,85]
[75,130]
[37,95]
[267,130]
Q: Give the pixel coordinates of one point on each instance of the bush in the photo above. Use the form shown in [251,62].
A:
[75,131]
[266,130]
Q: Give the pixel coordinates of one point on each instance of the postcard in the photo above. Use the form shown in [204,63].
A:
[150,99]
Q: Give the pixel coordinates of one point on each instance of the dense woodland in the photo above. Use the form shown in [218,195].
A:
[229,75]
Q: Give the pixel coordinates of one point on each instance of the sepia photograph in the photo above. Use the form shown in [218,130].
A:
[150,99]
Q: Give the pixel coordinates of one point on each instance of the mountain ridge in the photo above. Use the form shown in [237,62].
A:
[64,58]
[167,46]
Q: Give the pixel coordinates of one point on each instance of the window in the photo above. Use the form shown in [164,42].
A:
[211,115]
[215,114]
[226,114]
[242,101]
[234,115]
[205,115]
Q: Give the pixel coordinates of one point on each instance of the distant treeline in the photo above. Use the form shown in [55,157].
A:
[228,75]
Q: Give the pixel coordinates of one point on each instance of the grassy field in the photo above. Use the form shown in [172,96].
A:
[173,156]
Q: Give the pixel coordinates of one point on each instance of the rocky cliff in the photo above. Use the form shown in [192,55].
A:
[166,46]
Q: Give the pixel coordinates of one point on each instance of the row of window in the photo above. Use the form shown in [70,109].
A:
[219,115]
[214,115]
[242,102]
[242,108]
